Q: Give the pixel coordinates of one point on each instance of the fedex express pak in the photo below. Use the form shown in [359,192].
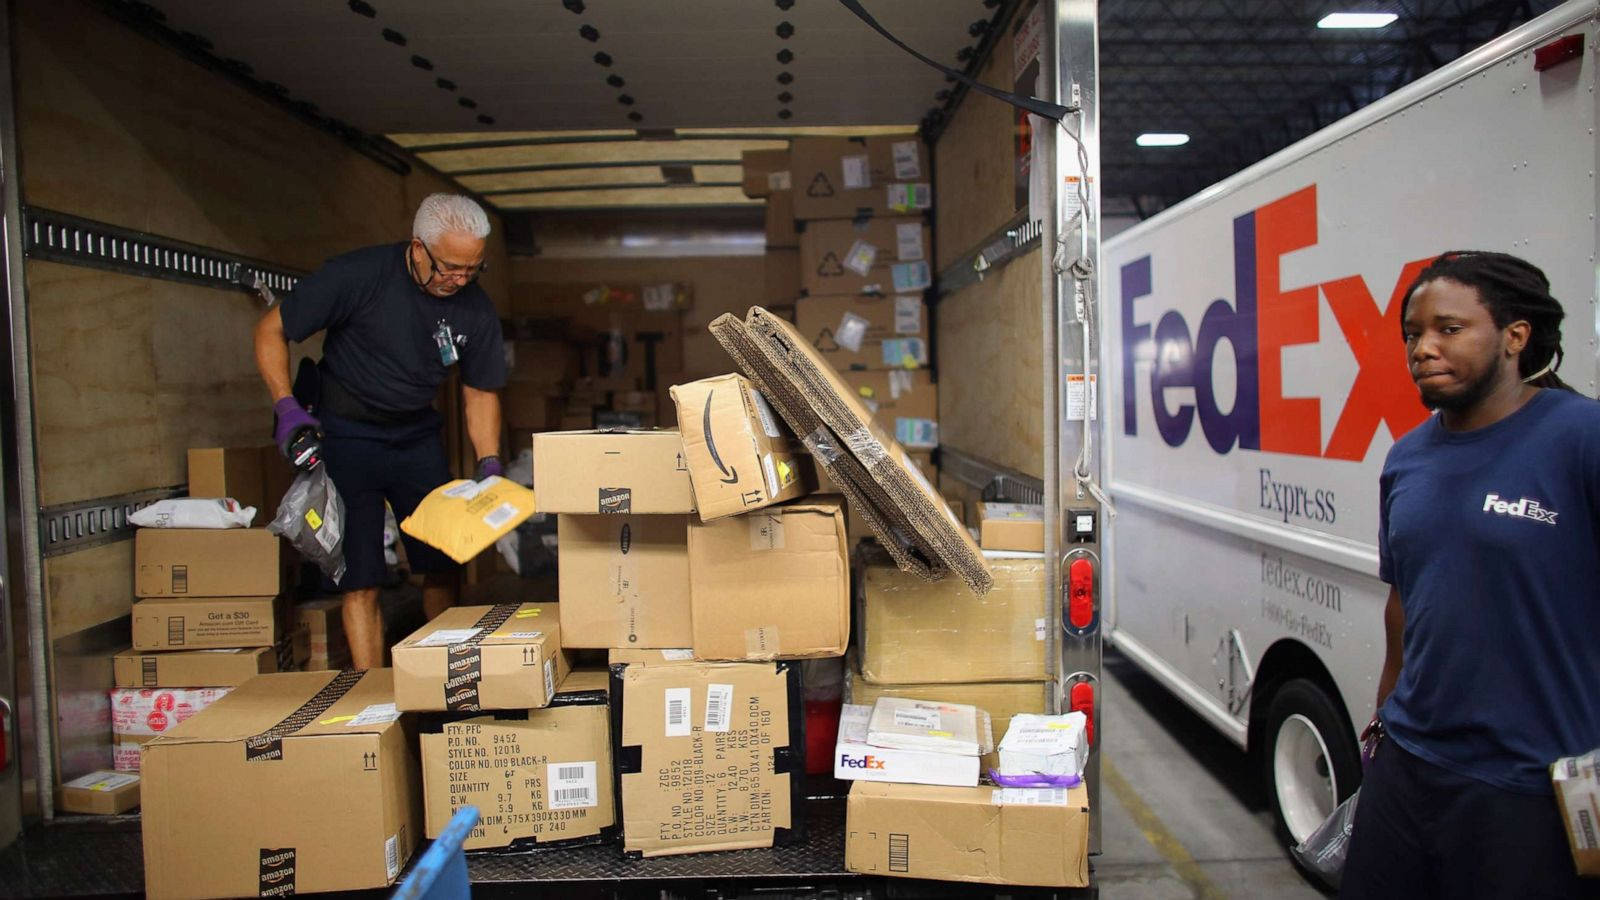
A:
[740,456]
[472,658]
[294,783]
[709,756]
[854,759]
[1022,836]
[537,776]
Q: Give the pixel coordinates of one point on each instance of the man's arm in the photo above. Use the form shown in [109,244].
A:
[483,420]
[1394,627]
[272,353]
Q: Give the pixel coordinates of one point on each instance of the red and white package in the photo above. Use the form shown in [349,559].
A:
[154,711]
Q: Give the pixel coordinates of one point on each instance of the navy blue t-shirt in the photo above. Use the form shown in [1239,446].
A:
[380,344]
[1492,538]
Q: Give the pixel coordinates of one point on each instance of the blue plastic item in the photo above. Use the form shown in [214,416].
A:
[441,873]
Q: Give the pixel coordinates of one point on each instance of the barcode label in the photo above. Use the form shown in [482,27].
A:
[917,718]
[466,490]
[376,714]
[719,706]
[175,631]
[572,785]
[908,241]
[1030,797]
[677,712]
[899,852]
[391,856]
[502,514]
[1041,629]
[444,637]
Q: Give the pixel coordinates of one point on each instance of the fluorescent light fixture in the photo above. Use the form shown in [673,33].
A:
[1356,20]
[1161,139]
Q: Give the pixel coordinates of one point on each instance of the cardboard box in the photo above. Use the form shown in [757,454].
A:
[236,472]
[198,623]
[1000,699]
[765,171]
[558,758]
[856,760]
[99,793]
[782,276]
[624,581]
[773,584]
[278,474]
[472,658]
[842,178]
[611,472]
[709,756]
[914,632]
[207,562]
[323,624]
[893,395]
[295,782]
[1577,785]
[880,255]
[191,668]
[1022,836]
[1011,526]
[781,231]
[863,332]
[630,656]
[740,457]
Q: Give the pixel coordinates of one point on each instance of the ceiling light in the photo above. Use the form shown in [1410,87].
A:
[1356,20]
[1161,139]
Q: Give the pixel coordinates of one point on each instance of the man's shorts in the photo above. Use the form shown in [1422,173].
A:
[370,465]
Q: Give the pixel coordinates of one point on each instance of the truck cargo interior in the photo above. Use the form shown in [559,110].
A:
[926,464]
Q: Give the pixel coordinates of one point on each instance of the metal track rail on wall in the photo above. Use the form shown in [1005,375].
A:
[1010,241]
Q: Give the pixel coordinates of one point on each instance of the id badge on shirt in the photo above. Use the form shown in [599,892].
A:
[445,339]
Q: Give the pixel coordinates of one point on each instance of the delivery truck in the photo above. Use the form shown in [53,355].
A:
[161,164]
[1254,379]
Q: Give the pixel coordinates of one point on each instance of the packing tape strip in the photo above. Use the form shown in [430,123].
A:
[464,661]
[865,446]
[822,446]
[269,744]
[761,642]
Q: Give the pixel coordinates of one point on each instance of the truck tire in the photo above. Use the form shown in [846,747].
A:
[1311,761]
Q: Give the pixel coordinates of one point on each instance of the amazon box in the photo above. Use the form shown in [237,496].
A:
[1021,836]
[918,632]
[296,782]
[191,668]
[236,472]
[765,171]
[866,332]
[472,658]
[847,178]
[882,255]
[198,623]
[611,472]
[903,403]
[557,760]
[322,622]
[773,584]
[207,562]
[630,656]
[740,457]
[624,581]
[1011,526]
[99,794]
[710,756]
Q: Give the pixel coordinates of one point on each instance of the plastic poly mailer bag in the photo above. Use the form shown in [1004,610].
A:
[462,518]
[194,512]
[1323,853]
[311,516]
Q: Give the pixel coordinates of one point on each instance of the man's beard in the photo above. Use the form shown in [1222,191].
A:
[1470,395]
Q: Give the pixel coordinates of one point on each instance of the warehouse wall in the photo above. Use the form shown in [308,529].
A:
[129,372]
[989,344]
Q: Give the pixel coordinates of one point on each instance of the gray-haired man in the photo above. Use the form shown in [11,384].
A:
[397,317]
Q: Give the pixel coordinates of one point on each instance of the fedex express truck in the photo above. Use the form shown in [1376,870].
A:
[1256,378]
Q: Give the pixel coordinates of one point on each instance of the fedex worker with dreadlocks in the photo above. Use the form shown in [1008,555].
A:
[1489,535]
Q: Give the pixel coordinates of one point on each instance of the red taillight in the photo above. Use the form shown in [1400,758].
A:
[1080,593]
[1557,52]
[1080,698]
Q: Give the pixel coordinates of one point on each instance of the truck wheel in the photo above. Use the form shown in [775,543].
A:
[1311,761]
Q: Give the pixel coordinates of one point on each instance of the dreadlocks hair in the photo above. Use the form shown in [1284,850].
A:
[1513,290]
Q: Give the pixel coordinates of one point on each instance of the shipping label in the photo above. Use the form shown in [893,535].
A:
[907,159]
[572,785]
[908,241]
[857,172]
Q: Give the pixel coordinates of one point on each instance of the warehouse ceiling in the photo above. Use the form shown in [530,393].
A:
[588,104]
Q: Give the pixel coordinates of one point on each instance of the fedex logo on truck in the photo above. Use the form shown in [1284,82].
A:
[1263,319]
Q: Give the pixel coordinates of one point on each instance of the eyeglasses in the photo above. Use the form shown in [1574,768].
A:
[467,274]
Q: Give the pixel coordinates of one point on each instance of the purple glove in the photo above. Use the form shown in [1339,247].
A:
[297,434]
[489,465]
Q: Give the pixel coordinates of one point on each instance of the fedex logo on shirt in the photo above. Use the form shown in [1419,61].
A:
[861,762]
[1263,318]
[1526,508]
